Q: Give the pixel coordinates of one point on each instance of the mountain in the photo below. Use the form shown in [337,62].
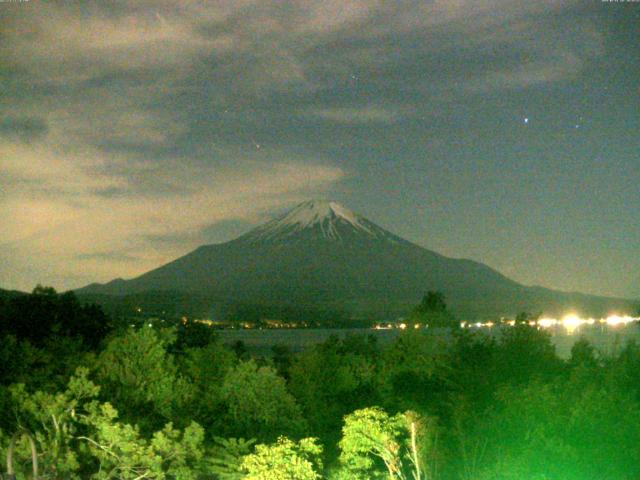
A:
[321,256]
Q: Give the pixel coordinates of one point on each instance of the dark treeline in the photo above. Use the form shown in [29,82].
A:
[111,400]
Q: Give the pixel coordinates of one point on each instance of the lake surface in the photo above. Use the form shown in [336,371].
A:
[606,339]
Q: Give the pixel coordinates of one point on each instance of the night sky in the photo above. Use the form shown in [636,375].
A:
[503,131]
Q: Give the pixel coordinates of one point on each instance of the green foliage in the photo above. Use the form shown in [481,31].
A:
[44,336]
[432,302]
[524,353]
[123,454]
[409,376]
[563,430]
[193,335]
[45,314]
[257,402]
[333,379]
[372,439]
[432,311]
[226,456]
[489,406]
[473,367]
[54,420]
[205,369]
[141,376]
[284,460]
[583,354]
[79,437]
[18,359]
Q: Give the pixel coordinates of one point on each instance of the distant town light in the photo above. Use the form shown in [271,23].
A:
[615,320]
[547,322]
[572,322]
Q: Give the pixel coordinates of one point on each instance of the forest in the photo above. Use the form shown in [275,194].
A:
[104,398]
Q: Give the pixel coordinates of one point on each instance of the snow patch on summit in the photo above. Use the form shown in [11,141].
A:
[327,215]
[309,213]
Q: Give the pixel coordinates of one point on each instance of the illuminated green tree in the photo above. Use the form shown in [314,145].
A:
[284,460]
[375,445]
[124,455]
[570,429]
[78,437]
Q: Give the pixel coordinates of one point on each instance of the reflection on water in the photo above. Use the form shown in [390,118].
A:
[607,339]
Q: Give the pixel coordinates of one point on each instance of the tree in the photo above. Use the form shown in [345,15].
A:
[583,354]
[524,352]
[432,310]
[53,421]
[123,454]
[409,374]
[79,437]
[284,460]
[333,379]
[141,376]
[205,369]
[226,457]
[258,404]
[45,315]
[372,438]
[193,334]
[567,428]
[432,302]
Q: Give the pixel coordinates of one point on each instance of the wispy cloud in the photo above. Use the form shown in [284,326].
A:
[22,128]
[366,114]
[60,214]
[109,257]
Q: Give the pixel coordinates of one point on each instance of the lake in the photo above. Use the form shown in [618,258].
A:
[604,338]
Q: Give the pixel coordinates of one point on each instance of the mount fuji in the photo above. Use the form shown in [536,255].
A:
[321,256]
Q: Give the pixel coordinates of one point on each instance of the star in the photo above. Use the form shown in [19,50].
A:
[526,120]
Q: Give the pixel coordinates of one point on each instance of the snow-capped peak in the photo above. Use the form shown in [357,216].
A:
[326,215]
[309,213]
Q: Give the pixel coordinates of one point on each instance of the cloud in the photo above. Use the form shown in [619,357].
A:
[540,56]
[366,114]
[133,127]
[57,222]
[108,257]
[22,128]
[563,67]
[255,47]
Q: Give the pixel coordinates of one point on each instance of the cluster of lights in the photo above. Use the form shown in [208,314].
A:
[401,326]
[572,322]
[480,324]
[569,322]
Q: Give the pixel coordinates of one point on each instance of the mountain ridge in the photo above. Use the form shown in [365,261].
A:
[323,255]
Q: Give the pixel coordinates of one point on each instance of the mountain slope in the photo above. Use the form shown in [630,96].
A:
[321,254]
